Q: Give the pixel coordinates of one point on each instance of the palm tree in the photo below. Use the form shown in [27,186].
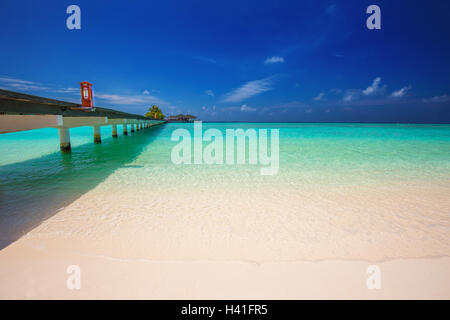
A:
[155,113]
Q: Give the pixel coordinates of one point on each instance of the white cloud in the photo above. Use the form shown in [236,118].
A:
[351,95]
[68,90]
[319,97]
[355,94]
[146,92]
[18,84]
[274,59]
[438,99]
[13,80]
[124,99]
[374,87]
[308,110]
[245,107]
[400,93]
[250,89]
[209,93]
[211,111]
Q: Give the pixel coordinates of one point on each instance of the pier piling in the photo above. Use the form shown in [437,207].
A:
[114,131]
[97,135]
[64,140]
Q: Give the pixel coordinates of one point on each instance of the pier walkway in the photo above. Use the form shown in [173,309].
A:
[20,112]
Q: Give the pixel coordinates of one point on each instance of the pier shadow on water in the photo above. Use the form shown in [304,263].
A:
[34,190]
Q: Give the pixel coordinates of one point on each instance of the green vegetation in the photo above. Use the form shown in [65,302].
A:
[154,113]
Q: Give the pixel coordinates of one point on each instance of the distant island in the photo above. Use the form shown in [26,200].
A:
[154,112]
[181,118]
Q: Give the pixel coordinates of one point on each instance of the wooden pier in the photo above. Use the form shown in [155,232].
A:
[20,112]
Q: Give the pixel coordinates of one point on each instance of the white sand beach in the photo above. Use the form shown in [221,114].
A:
[178,243]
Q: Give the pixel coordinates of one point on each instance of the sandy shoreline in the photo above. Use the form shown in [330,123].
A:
[376,223]
[185,243]
[28,271]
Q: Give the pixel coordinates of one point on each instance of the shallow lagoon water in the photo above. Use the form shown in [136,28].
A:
[37,181]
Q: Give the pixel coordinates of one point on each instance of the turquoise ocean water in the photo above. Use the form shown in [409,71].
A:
[36,180]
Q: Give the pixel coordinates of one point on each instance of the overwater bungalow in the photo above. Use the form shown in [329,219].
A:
[181,118]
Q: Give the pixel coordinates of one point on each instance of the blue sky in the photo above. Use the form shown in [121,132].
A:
[236,60]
